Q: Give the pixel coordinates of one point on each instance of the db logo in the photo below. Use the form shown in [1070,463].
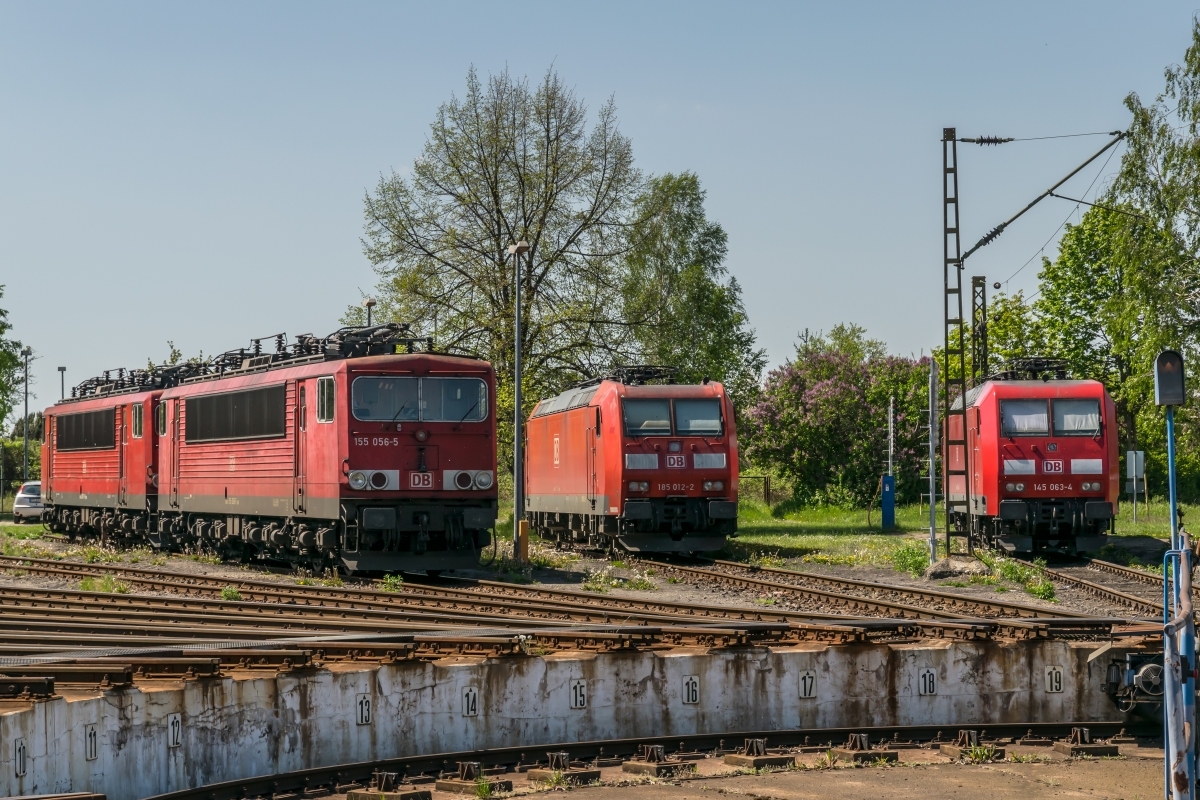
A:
[675,462]
[1052,467]
[420,480]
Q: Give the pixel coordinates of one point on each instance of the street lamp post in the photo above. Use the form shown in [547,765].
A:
[368,304]
[520,526]
[26,352]
[62,383]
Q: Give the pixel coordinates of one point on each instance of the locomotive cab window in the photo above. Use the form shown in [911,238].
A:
[393,399]
[453,399]
[1024,418]
[647,416]
[137,420]
[698,417]
[1076,417]
[160,418]
[326,393]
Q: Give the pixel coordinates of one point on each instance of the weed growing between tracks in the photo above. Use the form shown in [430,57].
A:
[107,584]
[392,583]
[601,580]
[231,594]
[1030,577]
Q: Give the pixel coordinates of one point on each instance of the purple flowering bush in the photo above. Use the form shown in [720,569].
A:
[821,423]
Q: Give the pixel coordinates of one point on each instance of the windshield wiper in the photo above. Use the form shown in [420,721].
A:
[469,410]
[398,413]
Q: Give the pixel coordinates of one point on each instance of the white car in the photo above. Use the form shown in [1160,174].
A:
[28,503]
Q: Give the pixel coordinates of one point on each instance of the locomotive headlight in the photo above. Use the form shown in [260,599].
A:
[421,435]
[483,479]
[1020,487]
[636,486]
[718,485]
[645,486]
[708,486]
[358,480]
[1010,487]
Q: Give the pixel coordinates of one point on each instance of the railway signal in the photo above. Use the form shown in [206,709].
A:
[1179,632]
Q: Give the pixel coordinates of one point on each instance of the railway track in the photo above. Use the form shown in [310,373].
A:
[423,768]
[484,597]
[920,603]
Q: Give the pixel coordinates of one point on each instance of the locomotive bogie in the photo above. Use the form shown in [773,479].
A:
[289,463]
[636,467]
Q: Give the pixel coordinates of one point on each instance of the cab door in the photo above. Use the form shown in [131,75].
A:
[122,454]
[173,424]
[593,432]
[300,449]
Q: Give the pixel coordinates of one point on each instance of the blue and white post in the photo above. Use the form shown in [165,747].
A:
[1179,631]
[889,480]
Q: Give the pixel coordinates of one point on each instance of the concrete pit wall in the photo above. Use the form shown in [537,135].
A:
[158,738]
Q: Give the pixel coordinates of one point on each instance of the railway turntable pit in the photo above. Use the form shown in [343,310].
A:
[139,724]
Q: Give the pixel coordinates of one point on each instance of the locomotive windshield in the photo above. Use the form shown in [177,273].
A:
[1024,418]
[699,417]
[647,416]
[388,399]
[1076,417]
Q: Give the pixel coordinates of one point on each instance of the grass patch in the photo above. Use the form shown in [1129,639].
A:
[231,594]
[107,584]
[205,558]
[1029,577]
[1120,555]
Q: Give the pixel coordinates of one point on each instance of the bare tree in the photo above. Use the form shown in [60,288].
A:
[504,164]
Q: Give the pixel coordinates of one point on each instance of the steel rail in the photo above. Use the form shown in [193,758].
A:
[1139,604]
[902,610]
[1127,572]
[976,606]
[395,602]
[518,597]
[331,779]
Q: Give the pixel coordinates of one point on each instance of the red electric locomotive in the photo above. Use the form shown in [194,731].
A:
[1043,461]
[647,468]
[340,452]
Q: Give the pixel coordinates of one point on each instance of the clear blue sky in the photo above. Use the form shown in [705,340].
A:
[195,172]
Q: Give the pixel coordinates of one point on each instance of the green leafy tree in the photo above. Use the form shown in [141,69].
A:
[11,379]
[821,419]
[683,308]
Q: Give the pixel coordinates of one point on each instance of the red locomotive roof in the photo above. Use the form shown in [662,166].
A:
[1032,389]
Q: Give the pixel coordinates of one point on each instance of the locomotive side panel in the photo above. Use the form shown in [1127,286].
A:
[214,474]
[559,463]
[99,454]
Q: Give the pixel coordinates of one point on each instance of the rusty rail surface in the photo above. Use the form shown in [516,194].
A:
[552,603]
[1139,604]
[991,609]
[976,606]
[333,779]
